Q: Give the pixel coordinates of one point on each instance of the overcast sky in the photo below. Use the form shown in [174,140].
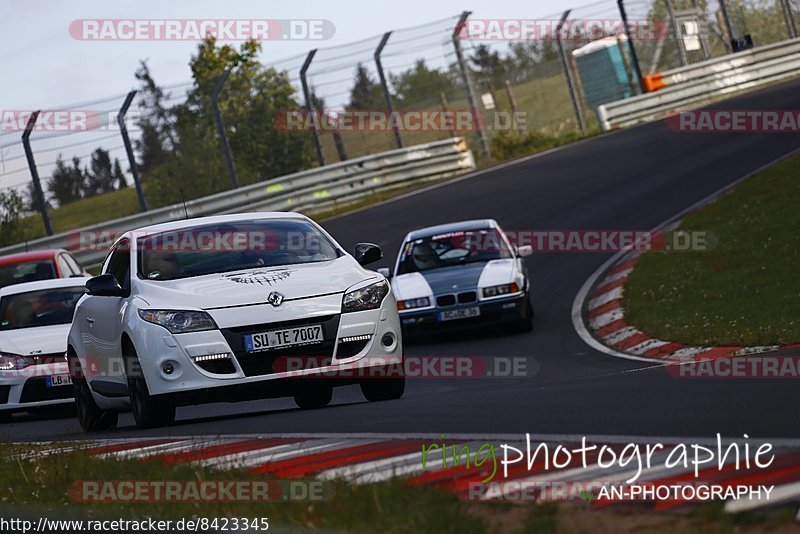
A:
[43,65]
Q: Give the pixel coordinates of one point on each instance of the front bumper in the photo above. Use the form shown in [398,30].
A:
[241,375]
[27,389]
[493,311]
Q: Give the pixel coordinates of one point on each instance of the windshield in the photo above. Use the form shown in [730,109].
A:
[46,307]
[452,248]
[29,271]
[231,246]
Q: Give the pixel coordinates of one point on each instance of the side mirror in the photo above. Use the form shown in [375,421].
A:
[104,285]
[524,250]
[385,271]
[367,253]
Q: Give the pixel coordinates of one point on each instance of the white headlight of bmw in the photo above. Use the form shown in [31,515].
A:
[179,321]
[496,291]
[411,304]
[366,298]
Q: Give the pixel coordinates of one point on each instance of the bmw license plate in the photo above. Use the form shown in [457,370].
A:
[286,337]
[58,380]
[463,313]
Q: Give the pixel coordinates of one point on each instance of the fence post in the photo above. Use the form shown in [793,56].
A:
[789,16]
[727,21]
[484,142]
[576,107]
[37,185]
[446,109]
[677,30]
[386,95]
[512,102]
[310,106]
[634,57]
[223,137]
[129,149]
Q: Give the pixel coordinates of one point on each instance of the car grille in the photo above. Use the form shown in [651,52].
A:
[462,298]
[4,391]
[280,360]
[36,390]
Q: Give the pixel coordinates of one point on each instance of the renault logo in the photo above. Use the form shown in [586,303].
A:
[275,298]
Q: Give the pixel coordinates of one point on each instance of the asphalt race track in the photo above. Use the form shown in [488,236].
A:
[633,180]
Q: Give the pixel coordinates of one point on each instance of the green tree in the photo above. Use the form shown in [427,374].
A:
[249,102]
[12,227]
[420,86]
[67,183]
[102,176]
[365,94]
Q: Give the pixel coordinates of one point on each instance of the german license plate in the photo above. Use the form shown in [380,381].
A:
[58,380]
[286,337]
[463,313]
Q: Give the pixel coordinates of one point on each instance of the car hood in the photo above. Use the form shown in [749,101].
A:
[453,279]
[252,286]
[33,341]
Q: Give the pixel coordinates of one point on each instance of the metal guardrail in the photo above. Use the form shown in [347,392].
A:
[704,82]
[317,189]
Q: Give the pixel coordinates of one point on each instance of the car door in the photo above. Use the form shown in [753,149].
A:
[103,316]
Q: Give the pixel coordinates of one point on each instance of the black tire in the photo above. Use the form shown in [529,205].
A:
[381,389]
[90,416]
[148,411]
[5,417]
[525,324]
[311,398]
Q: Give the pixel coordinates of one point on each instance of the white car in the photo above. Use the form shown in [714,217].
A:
[461,274]
[227,308]
[35,319]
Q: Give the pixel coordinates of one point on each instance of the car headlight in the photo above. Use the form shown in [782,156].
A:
[496,291]
[366,298]
[411,304]
[179,321]
[14,362]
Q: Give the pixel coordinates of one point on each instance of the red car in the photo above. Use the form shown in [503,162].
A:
[38,265]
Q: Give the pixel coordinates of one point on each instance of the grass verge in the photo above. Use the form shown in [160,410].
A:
[39,485]
[742,291]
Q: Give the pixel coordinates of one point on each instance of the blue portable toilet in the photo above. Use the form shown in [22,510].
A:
[602,72]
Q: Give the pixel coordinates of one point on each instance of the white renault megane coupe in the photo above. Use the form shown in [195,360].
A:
[35,318]
[228,308]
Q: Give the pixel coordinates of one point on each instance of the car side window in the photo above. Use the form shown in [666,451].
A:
[63,267]
[119,264]
[73,264]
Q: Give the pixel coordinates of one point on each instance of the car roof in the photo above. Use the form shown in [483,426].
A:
[461,226]
[182,224]
[33,255]
[54,283]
